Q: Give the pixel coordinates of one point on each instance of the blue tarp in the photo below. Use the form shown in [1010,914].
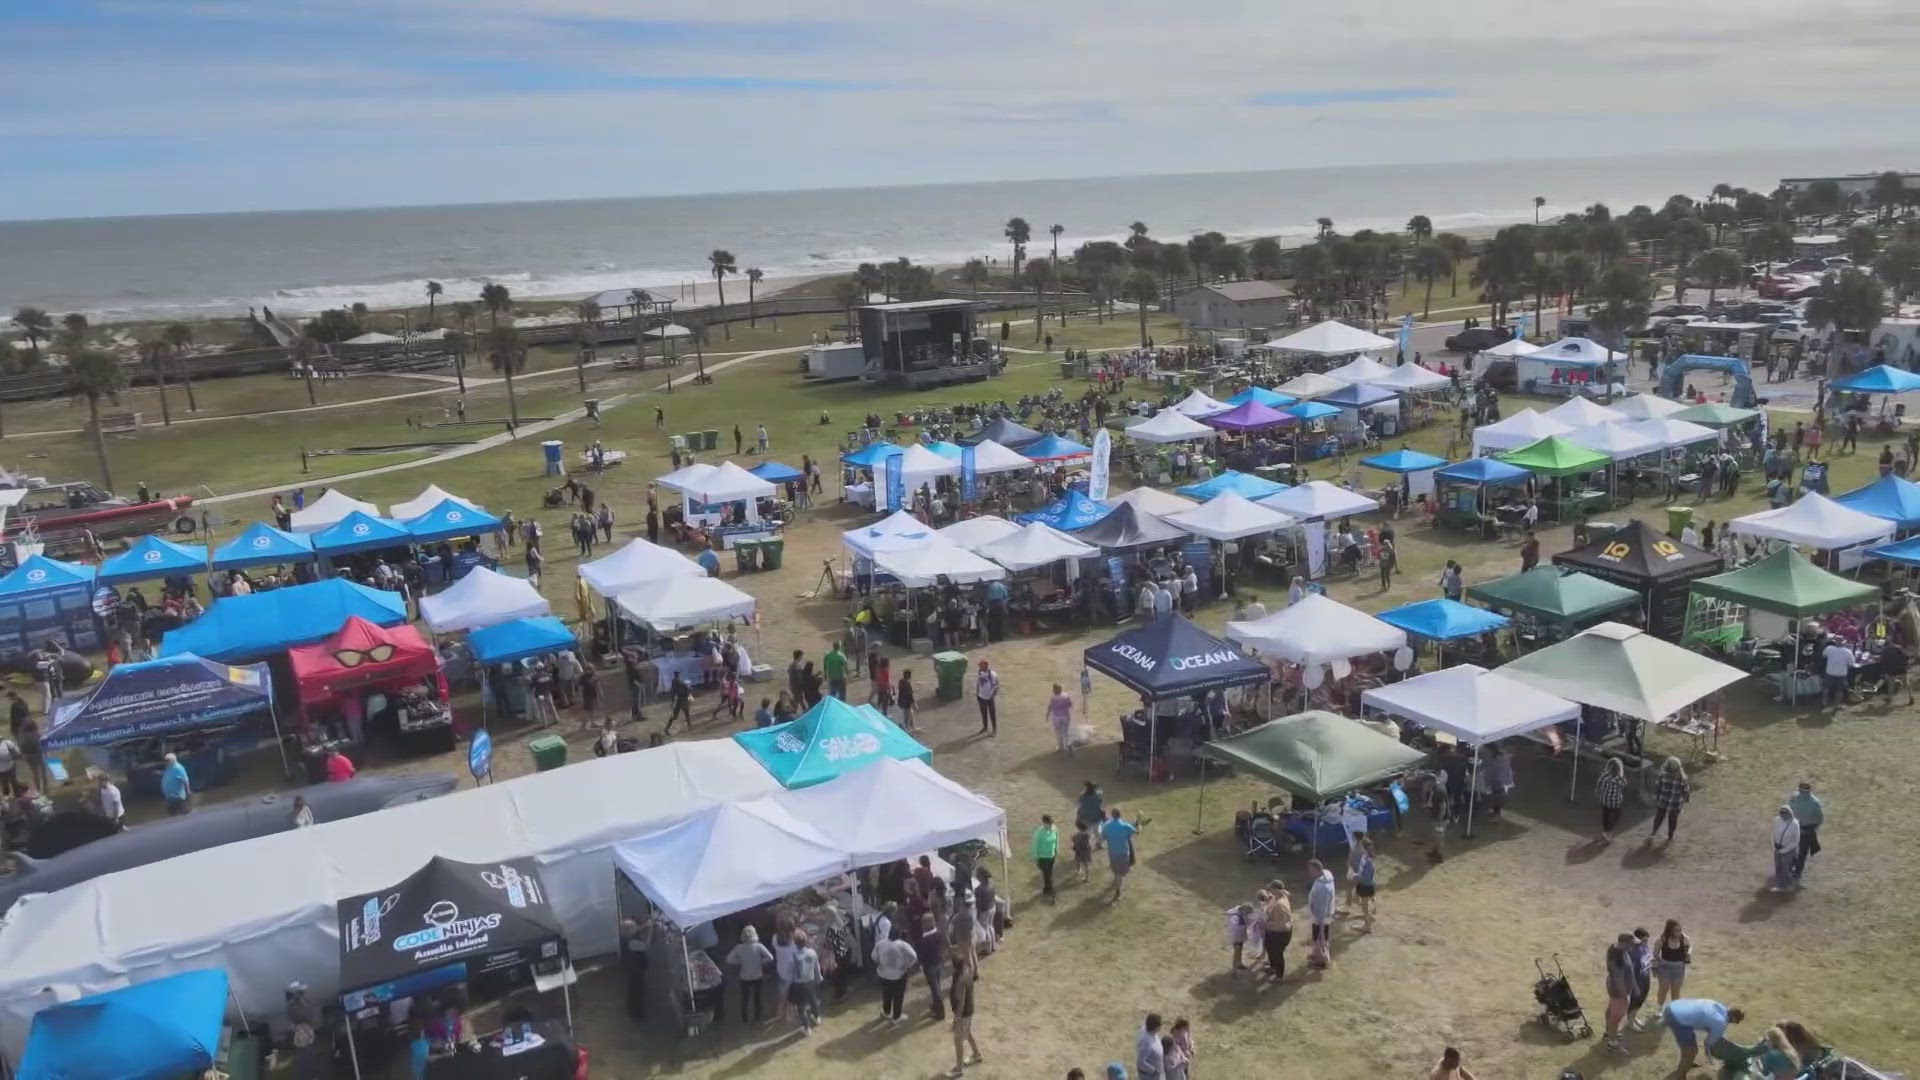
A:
[775,473]
[1890,497]
[448,520]
[1403,461]
[1067,513]
[1311,410]
[1442,619]
[869,455]
[1053,448]
[827,740]
[1171,657]
[1906,552]
[1483,472]
[950,451]
[1245,485]
[1879,379]
[159,1030]
[38,574]
[261,545]
[1356,396]
[157,697]
[1272,399]
[152,557]
[520,639]
[360,531]
[245,627]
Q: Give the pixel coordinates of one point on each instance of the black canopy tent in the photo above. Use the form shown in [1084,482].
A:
[448,921]
[1129,527]
[1651,563]
[1006,432]
[1172,658]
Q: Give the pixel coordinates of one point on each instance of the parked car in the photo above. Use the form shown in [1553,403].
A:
[1679,309]
[1478,338]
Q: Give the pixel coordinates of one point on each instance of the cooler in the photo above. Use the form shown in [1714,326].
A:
[549,751]
[950,675]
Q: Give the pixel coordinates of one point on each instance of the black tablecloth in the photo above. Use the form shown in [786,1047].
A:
[552,1061]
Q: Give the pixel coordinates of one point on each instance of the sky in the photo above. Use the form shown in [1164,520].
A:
[113,107]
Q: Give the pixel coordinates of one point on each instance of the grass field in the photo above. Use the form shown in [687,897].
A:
[1451,959]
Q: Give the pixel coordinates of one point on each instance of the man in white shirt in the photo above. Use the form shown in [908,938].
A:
[1838,670]
[1786,849]
[1532,514]
[1690,536]
[1251,609]
[1162,601]
[892,959]
[1189,590]
[1297,590]
[107,798]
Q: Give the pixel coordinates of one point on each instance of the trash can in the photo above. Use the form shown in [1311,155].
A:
[710,439]
[550,453]
[1678,518]
[549,751]
[746,555]
[677,442]
[694,439]
[770,552]
[949,675]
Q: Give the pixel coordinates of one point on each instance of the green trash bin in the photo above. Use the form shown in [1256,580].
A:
[950,675]
[710,439]
[746,555]
[549,751]
[770,552]
[694,440]
[1678,518]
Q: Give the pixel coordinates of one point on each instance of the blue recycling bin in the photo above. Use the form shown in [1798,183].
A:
[551,451]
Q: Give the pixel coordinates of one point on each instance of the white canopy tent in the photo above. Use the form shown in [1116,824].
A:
[482,598]
[971,533]
[678,479]
[724,483]
[919,465]
[264,909]
[896,530]
[1199,406]
[990,457]
[1817,522]
[1580,349]
[1579,412]
[1035,545]
[1616,440]
[1411,378]
[1320,500]
[328,509]
[1360,369]
[637,564]
[726,858]
[1673,433]
[1329,338]
[1510,348]
[1646,407]
[1169,426]
[1153,501]
[1309,385]
[1523,428]
[681,603]
[1317,630]
[1230,516]
[433,496]
[922,564]
[895,810]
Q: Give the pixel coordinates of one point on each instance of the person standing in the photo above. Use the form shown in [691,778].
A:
[1619,967]
[1364,887]
[760,437]
[1389,560]
[962,993]
[1149,1057]
[1452,583]
[175,787]
[1611,790]
[1786,849]
[1060,718]
[682,695]
[834,665]
[893,959]
[1836,671]
[1451,1067]
[1669,795]
[33,751]
[1529,551]
[986,690]
[906,699]
[750,960]
[1046,848]
[1673,954]
[107,800]
[804,994]
[1641,953]
[931,949]
[1117,833]
[1811,814]
[1278,922]
[1320,902]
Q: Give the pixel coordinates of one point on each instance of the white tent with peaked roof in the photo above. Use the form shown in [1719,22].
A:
[1614,439]
[1317,630]
[1579,412]
[433,496]
[1199,406]
[636,564]
[1646,407]
[1309,385]
[990,457]
[1037,544]
[329,509]
[897,530]
[1817,522]
[1329,338]
[1153,501]
[1412,378]
[1360,369]
[1230,516]
[1523,428]
[1168,426]
[1319,499]
[975,532]
[480,599]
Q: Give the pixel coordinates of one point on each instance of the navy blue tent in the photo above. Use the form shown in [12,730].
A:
[1007,433]
[1171,657]
[152,557]
[519,639]
[263,545]
[159,697]
[158,1030]
[1356,396]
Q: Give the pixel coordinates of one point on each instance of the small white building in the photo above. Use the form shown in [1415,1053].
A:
[1238,305]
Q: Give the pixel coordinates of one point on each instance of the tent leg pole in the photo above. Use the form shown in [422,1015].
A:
[1006,875]
[566,996]
[1573,782]
[286,765]
[353,1052]
[1200,812]
[1473,790]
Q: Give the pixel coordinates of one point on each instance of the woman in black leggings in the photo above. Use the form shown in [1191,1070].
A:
[1279,929]
[1669,796]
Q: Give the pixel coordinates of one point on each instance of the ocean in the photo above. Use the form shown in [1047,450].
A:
[203,265]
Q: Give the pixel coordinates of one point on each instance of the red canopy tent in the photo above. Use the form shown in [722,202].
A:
[361,655]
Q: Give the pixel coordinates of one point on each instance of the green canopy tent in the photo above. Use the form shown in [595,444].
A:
[1784,583]
[1559,460]
[1315,755]
[1548,605]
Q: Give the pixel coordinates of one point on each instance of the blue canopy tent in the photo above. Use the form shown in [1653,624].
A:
[1054,448]
[1272,399]
[45,598]
[1403,461]
[1357,396]
[158,697]
[827,740]
[158,1030]
[1905,552]
[1473,477]
[244,627]
[1483,472]
[262,545]
[1891,497]
[1442,619]
[1245,485]
[360,531]
[950,451]
[152,557]
[775,473]
[1308,411]
[446,521]
[871,454]
[520,639]
[1878,379]
[39,574]
[1067,513]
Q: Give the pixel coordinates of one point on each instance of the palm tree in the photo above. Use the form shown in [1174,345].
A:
[1687,238]
[1174,265]
[1716,268]
[178,336]
[721,260]
[154,352]
[1624,295]
[871,280]
[1899,267]
[1605,241]
[36,325]
[94,374]
[582,354]
[1137,234]
[1326,228]
[434,289]
[1576,276]
[360,314]
[1312,275]
[754,277]
[1420,227]
[1458,248]
[1429,262]
[1141,289]
[507,354]
[1264,256]
[1504,268]
[300,355]
[1018,232]
[851,294]
[1722,191]
[588,311]
[1538,202]
[1039,275]
[1863,243]
[974,273]
[1055,231]
[1849,300]
[456,343]
[1889,191]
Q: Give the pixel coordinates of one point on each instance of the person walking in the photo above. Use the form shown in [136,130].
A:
[1117,833]
[1786,849]
[931,949]
[1060,718]
[962,994]
[1619,968]
[804,993]
[1046,848]
[1149,1057]
[986,689]
[1452,583]
[1670,793]
[1451,1067]
[893,959]
[1320,903]
[750,961]
[175,787]
[1641,953]
[1279,929]
[904,696]
[1529,551]
[1364,888]
[834,665]
[1811,814]
[1611,790]
[1837,664]
[682,696]
[1672,955]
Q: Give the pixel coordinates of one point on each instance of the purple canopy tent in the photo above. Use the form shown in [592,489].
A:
[1251,416]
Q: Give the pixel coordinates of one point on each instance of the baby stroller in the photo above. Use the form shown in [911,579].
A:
[1261,835]
[1558,1005]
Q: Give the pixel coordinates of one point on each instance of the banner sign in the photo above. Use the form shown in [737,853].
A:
[896,483]
[480,755]
[882,490]
[969,479]
[1102,462]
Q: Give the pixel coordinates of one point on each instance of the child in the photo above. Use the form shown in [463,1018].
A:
[1237,920]
[1257,924]
[1082,851]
